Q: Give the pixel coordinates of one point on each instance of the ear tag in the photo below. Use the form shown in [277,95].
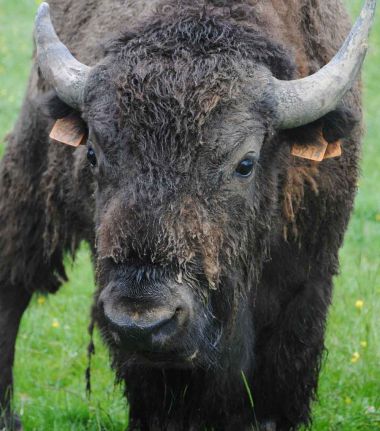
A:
[334,149]
[70,130]
[314,151]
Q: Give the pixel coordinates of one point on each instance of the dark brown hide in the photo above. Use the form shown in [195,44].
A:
[273,310]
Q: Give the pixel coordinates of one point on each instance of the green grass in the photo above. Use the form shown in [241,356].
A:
[51,350]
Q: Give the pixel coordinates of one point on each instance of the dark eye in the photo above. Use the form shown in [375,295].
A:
[91,156]
[245,166]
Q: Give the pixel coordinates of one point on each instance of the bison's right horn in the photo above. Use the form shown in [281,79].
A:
[67,75]
[305,100]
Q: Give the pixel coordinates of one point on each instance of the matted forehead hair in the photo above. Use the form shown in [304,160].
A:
[171,73]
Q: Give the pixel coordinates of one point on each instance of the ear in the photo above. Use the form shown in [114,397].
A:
[322,138]
[335,125]
[339,124]
[69,129]
[53,107]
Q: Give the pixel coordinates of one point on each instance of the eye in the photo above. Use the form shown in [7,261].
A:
[245,166]
[91,156]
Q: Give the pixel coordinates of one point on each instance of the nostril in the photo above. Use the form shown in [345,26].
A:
[100,303]
[105,296]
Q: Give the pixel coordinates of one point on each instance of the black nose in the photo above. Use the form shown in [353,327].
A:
[144,323]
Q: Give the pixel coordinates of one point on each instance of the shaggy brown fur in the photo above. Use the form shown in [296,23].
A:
[164,104]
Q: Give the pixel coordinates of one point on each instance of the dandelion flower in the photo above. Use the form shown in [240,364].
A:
[363,344]
[41,300]
[348,400]
[355,357]
[359,304]
[377,217]
[55,324]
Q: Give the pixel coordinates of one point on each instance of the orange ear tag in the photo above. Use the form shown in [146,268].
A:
[70,130]
[314,151]
[333,150]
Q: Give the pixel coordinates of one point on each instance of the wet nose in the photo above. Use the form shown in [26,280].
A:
[143,323]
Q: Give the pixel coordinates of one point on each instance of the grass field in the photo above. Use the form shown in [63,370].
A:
[51,349]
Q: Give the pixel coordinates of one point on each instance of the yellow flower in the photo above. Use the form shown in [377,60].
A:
[41,300]
[377,217]
[348,400]
[363,344]
[355,357]
[359,304]
[55,324]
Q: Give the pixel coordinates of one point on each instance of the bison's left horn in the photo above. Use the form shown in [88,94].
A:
[305,100]
[66,74]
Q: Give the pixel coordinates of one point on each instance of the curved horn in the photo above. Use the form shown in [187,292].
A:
[66,74]
[305,100]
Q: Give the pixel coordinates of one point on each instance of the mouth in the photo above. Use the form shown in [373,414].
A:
[168,360]
[177,356]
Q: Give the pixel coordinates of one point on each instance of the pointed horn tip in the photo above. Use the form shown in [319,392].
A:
[368,9]
[371,5]
[43,11]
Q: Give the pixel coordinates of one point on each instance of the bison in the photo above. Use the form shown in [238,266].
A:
[212,168]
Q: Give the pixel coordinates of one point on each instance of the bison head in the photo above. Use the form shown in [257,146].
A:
[184,119]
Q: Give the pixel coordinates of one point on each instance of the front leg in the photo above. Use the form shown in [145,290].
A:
[13,302]
[288,355]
